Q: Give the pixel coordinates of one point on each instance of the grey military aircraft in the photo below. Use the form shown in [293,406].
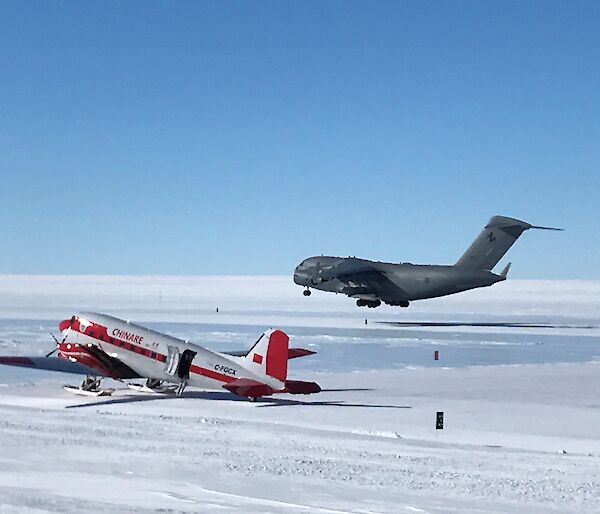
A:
[372,282]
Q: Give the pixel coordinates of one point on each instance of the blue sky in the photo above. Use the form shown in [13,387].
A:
[240,137]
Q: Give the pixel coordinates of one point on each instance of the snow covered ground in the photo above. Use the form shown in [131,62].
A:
[521,404]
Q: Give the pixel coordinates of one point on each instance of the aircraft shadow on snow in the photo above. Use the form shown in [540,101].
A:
[217,395]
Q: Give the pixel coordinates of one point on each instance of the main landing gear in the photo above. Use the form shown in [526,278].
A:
[154,385]
[306,292]
[401,303]
[181,387]
[89,387]
[371,304]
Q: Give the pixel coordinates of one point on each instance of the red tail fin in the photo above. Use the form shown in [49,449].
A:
[277,355]
[270,354]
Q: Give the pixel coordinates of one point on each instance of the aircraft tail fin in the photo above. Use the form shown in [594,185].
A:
[269,355]
[494,241]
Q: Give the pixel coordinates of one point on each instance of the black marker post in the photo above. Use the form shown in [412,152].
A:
[439,420]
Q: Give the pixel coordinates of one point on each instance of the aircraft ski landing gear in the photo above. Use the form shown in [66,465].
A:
[153,385]
[371,304]
[306,292]
[89,387]
[91,384]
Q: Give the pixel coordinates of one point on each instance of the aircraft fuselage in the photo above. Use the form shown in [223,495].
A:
[373,282]
[416,281]
[157,356]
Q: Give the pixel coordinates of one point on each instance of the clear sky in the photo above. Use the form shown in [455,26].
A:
[240,137]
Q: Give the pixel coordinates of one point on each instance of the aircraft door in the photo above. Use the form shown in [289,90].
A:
[173,359]
[185,363]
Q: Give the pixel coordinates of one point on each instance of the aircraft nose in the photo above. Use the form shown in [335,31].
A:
[301,275]
[300,278]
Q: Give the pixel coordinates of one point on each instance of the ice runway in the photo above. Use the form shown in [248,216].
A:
[521,405]
[370,449]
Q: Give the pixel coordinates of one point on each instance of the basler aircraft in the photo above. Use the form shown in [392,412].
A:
[372,282]
[99,346]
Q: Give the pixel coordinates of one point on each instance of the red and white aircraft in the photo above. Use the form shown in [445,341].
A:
[99,346]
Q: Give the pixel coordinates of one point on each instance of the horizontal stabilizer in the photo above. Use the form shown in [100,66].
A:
[300,387]
[293,353]
[547,228]
[249,388]
[237,353]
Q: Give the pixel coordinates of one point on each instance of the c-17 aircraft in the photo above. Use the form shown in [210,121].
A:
[372,282]
[99,346]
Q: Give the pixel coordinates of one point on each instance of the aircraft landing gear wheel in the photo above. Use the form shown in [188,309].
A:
[306,292]
[252,398]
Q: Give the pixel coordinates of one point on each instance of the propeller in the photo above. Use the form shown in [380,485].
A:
[57,342]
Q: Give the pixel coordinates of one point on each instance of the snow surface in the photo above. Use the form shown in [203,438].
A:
[522,408]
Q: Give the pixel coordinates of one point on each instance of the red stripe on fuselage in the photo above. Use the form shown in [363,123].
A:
[100,333]
[211,374]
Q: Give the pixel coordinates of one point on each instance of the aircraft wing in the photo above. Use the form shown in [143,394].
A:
[51,364]
[370,280]
[79,359]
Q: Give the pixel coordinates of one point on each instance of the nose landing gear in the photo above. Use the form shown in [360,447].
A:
[307,292]
[89,387]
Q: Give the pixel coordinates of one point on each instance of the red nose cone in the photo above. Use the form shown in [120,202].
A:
[64,324]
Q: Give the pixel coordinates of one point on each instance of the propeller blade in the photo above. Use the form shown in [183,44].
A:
[57,342]
[66,334]
[50,353]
